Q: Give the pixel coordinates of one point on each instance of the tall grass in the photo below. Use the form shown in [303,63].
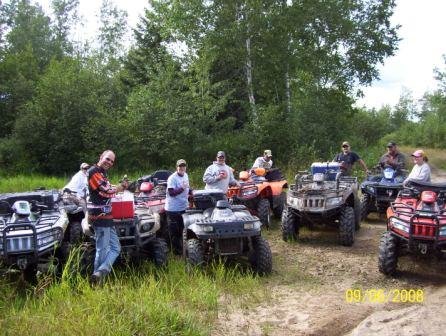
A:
[139,300]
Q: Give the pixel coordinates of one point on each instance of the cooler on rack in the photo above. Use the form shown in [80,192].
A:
[123,205]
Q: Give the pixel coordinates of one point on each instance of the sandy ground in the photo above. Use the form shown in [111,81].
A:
[311,290]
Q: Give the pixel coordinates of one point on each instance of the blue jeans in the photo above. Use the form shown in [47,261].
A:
[107,248]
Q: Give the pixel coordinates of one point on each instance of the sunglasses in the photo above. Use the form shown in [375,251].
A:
[345,146]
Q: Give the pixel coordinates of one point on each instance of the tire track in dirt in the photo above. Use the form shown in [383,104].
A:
[306,295]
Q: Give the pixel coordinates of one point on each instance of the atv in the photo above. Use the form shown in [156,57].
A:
[323,196]
[215,228]
[261,191]
[33,231]
[416,224]
[380,189]
[137,228]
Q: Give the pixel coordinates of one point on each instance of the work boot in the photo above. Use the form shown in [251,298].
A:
[98,277]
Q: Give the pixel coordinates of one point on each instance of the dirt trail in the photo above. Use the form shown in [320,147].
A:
[310,290]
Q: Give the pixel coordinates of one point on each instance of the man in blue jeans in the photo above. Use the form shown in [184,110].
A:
[99,215]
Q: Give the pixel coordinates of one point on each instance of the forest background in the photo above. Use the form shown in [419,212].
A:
[202,76]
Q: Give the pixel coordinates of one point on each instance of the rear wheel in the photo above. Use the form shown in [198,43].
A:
[75,232]
[347,226]
[290,225]
[261,258]
[388,254]
[263,212]
[158,252]
[365,204]
[194,254]
[279,202]
[30,274]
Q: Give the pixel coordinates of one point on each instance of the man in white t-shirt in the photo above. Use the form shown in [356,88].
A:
[78,182]
[264,161]
[178,191]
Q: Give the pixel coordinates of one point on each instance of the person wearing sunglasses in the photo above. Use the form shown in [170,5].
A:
[219,175]
[347,158]
[100,217]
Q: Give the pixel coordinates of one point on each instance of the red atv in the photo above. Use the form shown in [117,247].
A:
[261,191]
[416,223]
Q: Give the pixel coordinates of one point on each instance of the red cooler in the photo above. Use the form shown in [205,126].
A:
[123,205]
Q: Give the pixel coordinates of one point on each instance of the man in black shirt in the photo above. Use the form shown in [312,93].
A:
[347,158]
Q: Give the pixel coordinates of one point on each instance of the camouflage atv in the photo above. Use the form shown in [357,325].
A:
[323,196]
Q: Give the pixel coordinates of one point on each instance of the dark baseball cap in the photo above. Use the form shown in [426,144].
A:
[391,144]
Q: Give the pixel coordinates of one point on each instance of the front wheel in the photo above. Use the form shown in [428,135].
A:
[194,252]
[365,204]
[347,226]
[290,225]
[388,254]
[263,212]
[75,231]
[261,257]
[158,251]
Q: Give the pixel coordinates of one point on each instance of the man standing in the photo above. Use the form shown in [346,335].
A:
[78,182]
[218,175]
[393,158]
[99,215]
[264,161]
[347,158]
[178,191]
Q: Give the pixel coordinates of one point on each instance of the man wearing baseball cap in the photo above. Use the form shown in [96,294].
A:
[393,158]
[78,182]
[264,161]
[348,158]
[178,190]
[219,175]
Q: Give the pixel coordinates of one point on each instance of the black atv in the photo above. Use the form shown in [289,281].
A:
[33,231]
[323,196]
[215,228]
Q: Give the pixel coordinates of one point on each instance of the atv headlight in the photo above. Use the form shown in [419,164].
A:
[399,224]
[443,231]
[334,201]
[207,228]
[251,226]
[371,189]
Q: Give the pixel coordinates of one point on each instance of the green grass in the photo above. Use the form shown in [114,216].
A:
[139,300]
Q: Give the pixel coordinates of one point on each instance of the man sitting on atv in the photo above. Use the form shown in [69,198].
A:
[263,161]
[393,158]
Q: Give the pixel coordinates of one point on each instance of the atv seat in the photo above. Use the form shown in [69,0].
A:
[422,186]
[274,174]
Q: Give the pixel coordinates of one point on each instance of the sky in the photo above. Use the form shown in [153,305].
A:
[412,68]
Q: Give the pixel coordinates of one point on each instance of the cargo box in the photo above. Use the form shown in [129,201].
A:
[328,168]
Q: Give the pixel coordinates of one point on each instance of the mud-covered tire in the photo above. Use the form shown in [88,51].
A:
[86,259]
[261,259]
[388,254]
[158,252]
[30,274]
[357,209]
[75,232]
[194,252]
[279,202]
[263,212]
[290,226]
[347,226]
[365,203]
